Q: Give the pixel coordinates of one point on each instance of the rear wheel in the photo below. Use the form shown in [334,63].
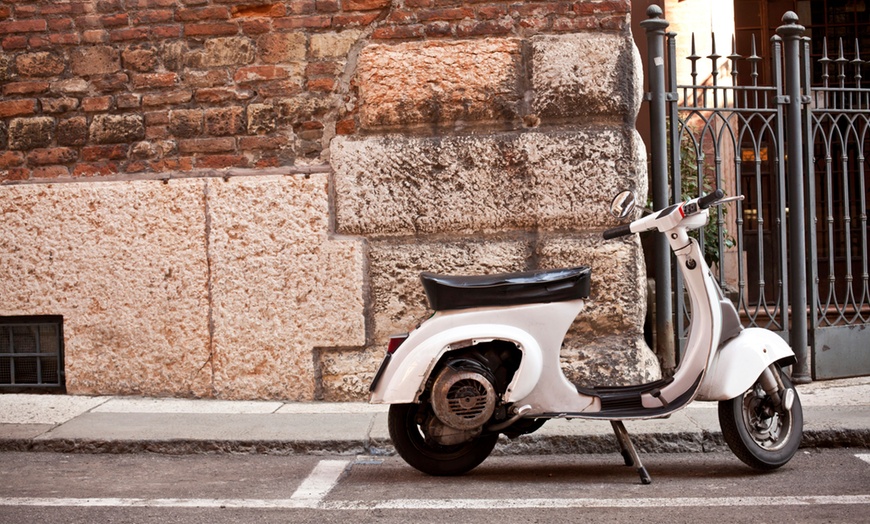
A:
[407,425]
[762,435]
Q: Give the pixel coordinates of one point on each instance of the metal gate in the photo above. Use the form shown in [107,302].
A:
[793,256]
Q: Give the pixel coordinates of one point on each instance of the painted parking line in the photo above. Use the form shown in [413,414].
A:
[864,457]
[444,504]
[320,482]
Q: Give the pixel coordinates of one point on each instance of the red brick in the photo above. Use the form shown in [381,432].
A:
[59,105]
[166,31]
[150,4]
[95,169]
[266,162]
[11,159]
[134,33]
[26,11]
[321,84]
[156,118]
[303,22]
[5,12]
[207,145]
[10,108]
[60,24]
[327,6]
[23,26]
[256,26]
[57,9]
[205,13]
[398,32]
[355,20]
[262,143]
[38,41]
[259,73]
[109,6]
[96,103]
[575,24]
[302,7]
[25,88]
[484,28]
[439,29]
[16,173]
[345,127]
[263,10]
[50,172]
[170,98]
[156,16]
[13,43]
[220,161]
[64,39]
[118,20]
[95,36]
[445,14]
[419,3]
[109,152]
[53,155]
[214,29]
[154,80]
[364,5]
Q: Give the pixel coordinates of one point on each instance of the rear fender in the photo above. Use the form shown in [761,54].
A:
[736,366]
[415,360]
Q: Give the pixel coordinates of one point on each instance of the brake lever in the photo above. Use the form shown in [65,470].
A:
[728,200]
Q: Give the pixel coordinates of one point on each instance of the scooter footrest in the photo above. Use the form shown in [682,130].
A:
[623,398]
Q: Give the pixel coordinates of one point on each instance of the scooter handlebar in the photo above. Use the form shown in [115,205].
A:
[618,231]
[708,200]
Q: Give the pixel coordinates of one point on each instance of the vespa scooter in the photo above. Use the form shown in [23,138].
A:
[487,362]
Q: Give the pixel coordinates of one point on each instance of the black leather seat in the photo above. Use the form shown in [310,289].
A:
[508,289]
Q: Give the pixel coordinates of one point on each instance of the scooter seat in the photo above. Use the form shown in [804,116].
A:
[507,289]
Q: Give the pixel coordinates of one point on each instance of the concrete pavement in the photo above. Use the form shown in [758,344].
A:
[836,414]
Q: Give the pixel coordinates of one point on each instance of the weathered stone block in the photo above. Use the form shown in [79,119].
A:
[282,286]
[114,129]
[584,74]
[40,64]
[277,48]
[125,265]
[605,346]
[333,45]
[94,60]
[393,185]
[439,82]
[72,131]
[143,58]
[225,51]
[225,121]
[185,123]
[31,133]
[262,118]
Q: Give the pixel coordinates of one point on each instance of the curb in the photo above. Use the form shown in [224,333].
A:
[685,442]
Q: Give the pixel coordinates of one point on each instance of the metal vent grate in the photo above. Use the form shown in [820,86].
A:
[31,353]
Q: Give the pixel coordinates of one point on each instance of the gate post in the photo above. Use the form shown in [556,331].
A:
[791,33]
[655,27]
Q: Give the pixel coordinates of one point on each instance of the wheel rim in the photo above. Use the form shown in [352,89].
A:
[768,427]
[426,445]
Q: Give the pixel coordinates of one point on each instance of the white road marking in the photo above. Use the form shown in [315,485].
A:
[446,504]
[865,458]
[320,482]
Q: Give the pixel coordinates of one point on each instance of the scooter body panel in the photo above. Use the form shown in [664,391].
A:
[736,366]
[536,329]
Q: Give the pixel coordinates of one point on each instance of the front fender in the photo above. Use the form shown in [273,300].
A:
[736,366]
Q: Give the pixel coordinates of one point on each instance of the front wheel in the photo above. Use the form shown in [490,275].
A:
[762,435]
[406,423]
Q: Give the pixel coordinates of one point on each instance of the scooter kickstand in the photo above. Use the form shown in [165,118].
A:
[629,453]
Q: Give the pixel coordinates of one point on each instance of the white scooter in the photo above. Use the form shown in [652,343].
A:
[487,362]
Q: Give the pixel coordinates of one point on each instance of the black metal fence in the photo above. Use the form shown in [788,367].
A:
[793,256]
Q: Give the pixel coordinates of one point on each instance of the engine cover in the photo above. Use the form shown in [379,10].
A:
[462,399]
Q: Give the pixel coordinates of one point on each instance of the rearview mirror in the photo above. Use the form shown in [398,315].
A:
[623,204]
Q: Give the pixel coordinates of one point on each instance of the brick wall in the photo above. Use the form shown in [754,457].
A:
[106,87]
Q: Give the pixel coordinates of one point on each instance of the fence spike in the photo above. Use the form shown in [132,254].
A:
[841,65]
[694,59]
[734,57]
[857,62]
[824,60]
[753,61]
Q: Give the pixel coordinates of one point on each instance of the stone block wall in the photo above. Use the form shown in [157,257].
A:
[233,198]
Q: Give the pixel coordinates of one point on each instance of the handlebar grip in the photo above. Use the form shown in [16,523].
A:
[708,200]
[618,231]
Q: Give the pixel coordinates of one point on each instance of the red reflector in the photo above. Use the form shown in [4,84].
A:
[395,342]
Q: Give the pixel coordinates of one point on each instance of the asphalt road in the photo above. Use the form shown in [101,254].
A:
[817,486]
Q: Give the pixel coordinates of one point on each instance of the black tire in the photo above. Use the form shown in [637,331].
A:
[427,455]
[761,436]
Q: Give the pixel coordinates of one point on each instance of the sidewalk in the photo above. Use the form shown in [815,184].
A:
[836,414]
